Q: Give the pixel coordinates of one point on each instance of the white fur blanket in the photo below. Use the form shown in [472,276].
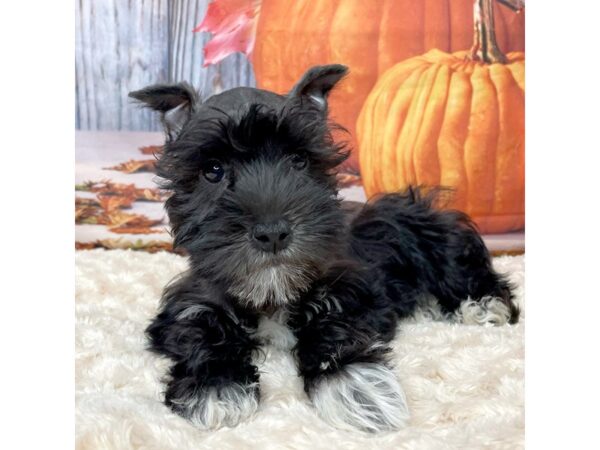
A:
[464,383]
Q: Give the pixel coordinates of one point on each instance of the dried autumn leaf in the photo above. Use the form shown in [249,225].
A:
[141,221]
[87,211]
[87,215]
[125,190]
[110,202]
[81,202]
[116,218]
[233,27]
[86,186]
[150,246]
[151,149]
[135,166]
[85,245]
[150,195]
[347,179]
[135,230]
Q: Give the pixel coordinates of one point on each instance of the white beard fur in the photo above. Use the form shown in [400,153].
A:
[271,287]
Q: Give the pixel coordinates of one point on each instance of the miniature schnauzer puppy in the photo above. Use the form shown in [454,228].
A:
[254,204]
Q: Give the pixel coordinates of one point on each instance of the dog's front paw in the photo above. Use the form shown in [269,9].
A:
[215,407]
[364,396]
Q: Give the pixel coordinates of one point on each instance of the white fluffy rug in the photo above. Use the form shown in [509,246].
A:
[464,383]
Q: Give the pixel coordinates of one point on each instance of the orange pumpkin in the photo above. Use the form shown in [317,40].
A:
[366,35]
[441,119]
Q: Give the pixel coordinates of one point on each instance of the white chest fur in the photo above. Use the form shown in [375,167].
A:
[274,331]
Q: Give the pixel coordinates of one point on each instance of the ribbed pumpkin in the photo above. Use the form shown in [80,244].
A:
[446,119]
[368,36]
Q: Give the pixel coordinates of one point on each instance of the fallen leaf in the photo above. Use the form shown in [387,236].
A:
[125,190]
[134,166]
[151,149]
[347,179]
[111,202]
[135,230]
[81,202]
[150,246]
[85,245]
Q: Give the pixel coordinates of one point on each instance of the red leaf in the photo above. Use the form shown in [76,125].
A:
[233,26]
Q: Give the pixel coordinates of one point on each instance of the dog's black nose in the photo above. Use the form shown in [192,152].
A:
[272,237]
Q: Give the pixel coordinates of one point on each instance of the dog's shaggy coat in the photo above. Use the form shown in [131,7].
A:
[253,201]
[463,383]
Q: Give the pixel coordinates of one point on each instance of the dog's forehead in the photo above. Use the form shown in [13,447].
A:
[245,118]
[245,123]
[235,99]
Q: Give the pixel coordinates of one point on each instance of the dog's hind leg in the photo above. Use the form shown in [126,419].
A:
[422,250]
[478,297]
[468,285]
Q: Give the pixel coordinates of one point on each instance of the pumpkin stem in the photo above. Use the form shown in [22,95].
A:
[485,48]
[515,5]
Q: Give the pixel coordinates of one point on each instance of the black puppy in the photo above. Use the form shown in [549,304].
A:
[254,203]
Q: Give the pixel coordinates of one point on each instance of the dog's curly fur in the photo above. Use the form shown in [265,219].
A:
[248,160]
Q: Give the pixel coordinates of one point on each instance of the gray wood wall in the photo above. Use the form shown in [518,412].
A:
[123,45]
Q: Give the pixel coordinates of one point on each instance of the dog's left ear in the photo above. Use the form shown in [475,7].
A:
[317,82]
[175,102]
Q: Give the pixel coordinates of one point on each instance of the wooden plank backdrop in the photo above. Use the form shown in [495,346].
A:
[123,45]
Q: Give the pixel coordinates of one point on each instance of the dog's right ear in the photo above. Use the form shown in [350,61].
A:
[175,102]
[317,82]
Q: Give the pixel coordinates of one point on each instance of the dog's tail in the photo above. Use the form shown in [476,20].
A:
[423,250]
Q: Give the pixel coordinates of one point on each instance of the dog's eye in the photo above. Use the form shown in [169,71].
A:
[213,171]
[299,161]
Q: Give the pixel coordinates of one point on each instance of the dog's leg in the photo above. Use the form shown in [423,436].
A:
[470,287]
[343,326]
[212,382]
[423,251]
